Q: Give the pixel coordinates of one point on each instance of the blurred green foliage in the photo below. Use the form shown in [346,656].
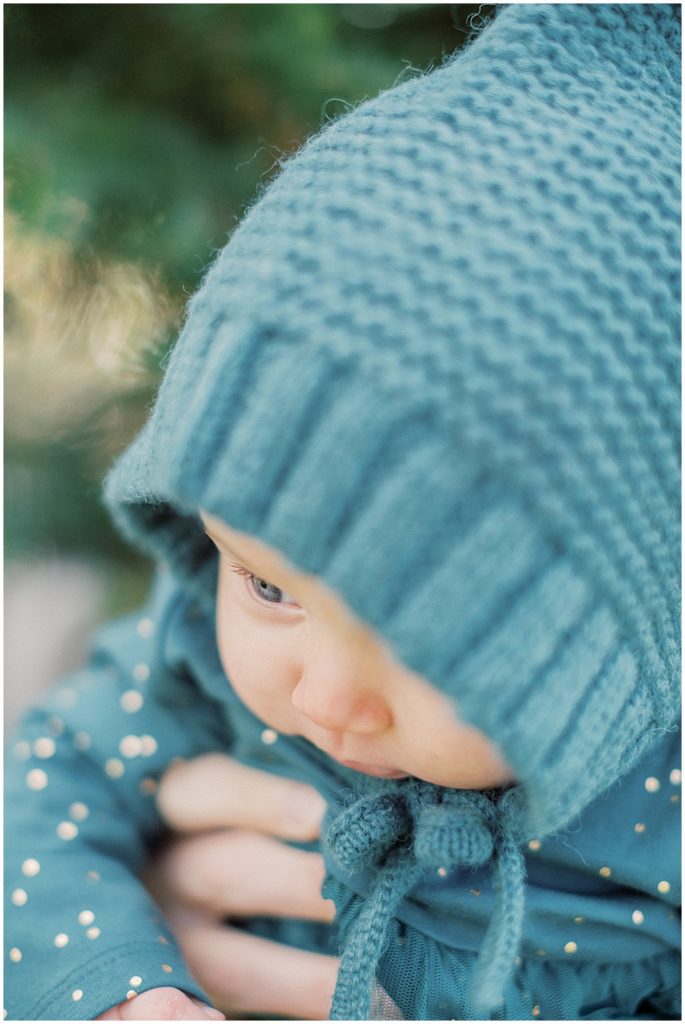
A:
[136,135]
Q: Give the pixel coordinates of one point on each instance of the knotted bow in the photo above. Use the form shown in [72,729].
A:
[404,834]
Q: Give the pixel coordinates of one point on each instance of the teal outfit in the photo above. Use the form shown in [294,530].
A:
[621,969]
[437,365]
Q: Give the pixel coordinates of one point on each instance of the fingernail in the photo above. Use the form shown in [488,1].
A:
[306,810]
[214,1014]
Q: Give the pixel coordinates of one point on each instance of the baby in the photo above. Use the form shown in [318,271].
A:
[412,482]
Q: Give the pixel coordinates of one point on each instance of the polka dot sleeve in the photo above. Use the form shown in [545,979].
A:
[81,933]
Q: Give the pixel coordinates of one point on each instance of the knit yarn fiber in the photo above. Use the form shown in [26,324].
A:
[438,365]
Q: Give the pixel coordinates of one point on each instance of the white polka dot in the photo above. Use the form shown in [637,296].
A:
[146,628]
[131,701]
[570,947]
[92,876]
[131,994]
[44,747]
[93,933]
[442,872]
[269,736]
[19,897]
[638,917]
[652,785]
[148,746]
[114,768]
[135,981]
[86,917]
[77,994]
[61,940]
[15,955]
[37,779]
[676,777]
[167,968]
[141,672]
[30,868]
[67,830]
[664,887]
[534,844]
[78,811]
[130,746]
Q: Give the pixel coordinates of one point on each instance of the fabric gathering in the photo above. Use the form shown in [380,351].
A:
[437,366]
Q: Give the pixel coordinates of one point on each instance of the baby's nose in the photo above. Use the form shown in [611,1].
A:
[338,703]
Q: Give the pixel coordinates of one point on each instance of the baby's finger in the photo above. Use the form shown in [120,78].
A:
[245,974]
[214,791]
[162,1004]
[241,874]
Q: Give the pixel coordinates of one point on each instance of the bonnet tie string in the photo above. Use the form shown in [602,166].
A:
[405,834]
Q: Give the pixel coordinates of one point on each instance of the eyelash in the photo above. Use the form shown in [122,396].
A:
[242,571]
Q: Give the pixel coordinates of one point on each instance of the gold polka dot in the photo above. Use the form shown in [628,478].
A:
[135,981]
[22,750]
[86,917]
[77,994]
[148,786]
[475,892]
[442,872]
[664,887]
[676,777]
[534,844]
[93,933]
[536,1010]
[167,968]
[675,798]
[148,746]
[542,952]
[67,830]
[130,746]
[30,868]
[579,920]
[93,876]
[82,741]
[44,747]
[37,779]
[141,672]
[146,628]
[131,994]
[78,811]
[269,736]
[19,897]
[638,917]
[640,826]
[61,940]
[570,947]
[55,725]
[605,872]
[131,701]
[114,768]
[66,697]
[15,955]
[652,785]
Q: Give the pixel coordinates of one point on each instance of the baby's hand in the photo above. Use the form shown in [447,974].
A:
[162,1004]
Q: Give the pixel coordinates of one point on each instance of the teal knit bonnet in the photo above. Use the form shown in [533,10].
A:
[437,364]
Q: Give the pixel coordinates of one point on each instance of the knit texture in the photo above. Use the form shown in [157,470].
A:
[438,365]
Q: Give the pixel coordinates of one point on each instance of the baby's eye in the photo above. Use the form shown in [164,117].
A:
[264,590]
[268,592]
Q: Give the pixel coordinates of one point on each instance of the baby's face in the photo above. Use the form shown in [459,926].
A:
[306,665]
